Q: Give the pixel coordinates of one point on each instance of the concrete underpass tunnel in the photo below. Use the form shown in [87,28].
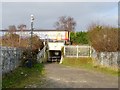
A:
[54,55]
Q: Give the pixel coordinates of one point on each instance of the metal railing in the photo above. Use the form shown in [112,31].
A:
[41,54]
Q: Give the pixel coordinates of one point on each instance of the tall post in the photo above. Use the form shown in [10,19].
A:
[77,51]
[32,18]
[90,48]
[31,35]
[44,48]
[64,50]
[69,35]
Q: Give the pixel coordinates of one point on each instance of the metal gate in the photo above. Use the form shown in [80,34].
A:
[77,51]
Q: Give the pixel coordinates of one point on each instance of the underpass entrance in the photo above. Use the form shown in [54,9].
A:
[54,50]
[54,55]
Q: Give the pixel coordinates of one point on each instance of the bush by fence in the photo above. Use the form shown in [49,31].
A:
[103,38]
[14,40]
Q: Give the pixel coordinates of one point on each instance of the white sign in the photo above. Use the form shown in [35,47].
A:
[54,35]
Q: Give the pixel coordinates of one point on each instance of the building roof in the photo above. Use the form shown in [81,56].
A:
[39,30]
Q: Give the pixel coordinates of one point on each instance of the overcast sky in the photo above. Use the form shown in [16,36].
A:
[47,13]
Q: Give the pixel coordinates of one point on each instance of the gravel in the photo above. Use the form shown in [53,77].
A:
[60,76]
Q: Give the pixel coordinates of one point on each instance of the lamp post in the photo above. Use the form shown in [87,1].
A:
[32,19]
[29,64]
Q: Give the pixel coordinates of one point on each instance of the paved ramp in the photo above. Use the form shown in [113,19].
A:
[60,76]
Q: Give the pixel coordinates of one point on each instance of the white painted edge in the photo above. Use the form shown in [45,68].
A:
[61,60]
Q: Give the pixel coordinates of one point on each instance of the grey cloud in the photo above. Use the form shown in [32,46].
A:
[47,13]
[0,15]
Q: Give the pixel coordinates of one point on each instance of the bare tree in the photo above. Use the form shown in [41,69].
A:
[65,23]
[12,28]
[21,27]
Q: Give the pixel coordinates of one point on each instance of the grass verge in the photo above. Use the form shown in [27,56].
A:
[87,63]
[23,76]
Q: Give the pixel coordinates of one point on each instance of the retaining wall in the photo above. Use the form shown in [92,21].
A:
[108,59]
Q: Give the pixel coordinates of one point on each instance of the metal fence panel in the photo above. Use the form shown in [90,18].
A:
[77,51]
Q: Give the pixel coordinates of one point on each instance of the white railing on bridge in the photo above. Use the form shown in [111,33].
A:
[41,54]
[77,51]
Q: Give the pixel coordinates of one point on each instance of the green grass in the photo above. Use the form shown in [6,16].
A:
[87,63]
[23,76]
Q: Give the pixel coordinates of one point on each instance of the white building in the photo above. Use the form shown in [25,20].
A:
[45,34]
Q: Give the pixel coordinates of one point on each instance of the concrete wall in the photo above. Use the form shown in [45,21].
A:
[108,59]
[10,58]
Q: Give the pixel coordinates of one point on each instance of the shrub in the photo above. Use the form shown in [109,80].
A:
[10,40]
[27,55]
[79,37]
[14,40]
[103,38]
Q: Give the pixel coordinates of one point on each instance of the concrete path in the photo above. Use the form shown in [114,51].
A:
[60,76]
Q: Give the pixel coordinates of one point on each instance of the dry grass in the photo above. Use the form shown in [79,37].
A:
[88,63]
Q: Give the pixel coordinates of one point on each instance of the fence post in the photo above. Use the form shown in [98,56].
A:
[77,51]
[44,50]
[90,50]
[64,50]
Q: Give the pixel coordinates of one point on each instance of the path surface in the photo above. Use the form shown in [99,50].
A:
[60,76]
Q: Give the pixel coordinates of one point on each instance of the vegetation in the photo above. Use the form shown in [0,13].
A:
[79,37]
[103,38]
[62,51]
[12,40]
[87,63]
[23,76]
[12,28]
[65,23]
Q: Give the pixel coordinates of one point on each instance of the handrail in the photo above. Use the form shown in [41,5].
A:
[41,53]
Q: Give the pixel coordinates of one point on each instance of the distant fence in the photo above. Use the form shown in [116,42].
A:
[77,51]
[10,58]
[107,59]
